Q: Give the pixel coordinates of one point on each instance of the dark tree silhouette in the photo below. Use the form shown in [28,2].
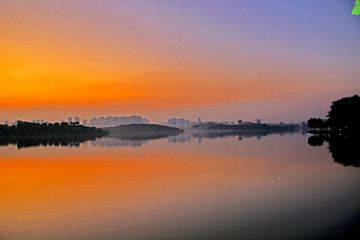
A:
[35,129]
[344,134]
[344,115]
[317,123]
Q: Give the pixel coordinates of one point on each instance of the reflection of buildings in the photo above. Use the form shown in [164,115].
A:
[199,136]
[116,121]
[179,139]
[112,142]
[180,122]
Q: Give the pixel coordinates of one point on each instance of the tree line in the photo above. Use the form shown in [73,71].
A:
[343,117]
[35,129]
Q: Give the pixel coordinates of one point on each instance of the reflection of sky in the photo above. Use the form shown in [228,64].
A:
[221,187]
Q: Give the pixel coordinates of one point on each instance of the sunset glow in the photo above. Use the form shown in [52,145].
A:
[158,58]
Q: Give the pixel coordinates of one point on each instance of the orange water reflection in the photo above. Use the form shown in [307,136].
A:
[162,191]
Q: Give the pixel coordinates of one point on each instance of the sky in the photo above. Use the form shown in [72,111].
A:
[219,60]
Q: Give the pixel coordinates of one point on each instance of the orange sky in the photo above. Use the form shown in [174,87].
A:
[65,58]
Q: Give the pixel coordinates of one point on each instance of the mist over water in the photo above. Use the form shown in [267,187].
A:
[196,185]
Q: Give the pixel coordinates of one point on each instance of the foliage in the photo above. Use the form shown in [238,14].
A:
[344,115]
[142,131]
[317,123]
[35,129]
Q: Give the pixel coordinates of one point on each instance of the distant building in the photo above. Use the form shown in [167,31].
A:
[93,121]
[303,125]
[178,121]
[42,121]
[84,122]
[258,121]
[77,119]
[70,119]
[101,121]
[7,123]
[116,121]
[199,120]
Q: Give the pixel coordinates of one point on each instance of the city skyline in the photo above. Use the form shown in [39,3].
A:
[111,121]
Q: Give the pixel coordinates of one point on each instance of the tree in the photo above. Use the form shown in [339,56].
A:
[240,122]
[344,115]
[317,123]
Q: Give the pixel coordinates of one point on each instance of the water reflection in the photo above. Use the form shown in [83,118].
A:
[240,135]
[344,149]
[138,140]
[127,139]
[113,142]
[63,140]
[276,188]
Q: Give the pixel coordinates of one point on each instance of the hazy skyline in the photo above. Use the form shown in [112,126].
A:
[218,60]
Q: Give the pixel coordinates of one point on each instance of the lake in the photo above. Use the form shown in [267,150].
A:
[189,186]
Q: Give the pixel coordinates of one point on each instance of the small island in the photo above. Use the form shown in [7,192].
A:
[142,131]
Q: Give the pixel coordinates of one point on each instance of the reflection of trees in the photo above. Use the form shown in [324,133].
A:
[131,139]
[317,140]
[240,134]
[344,149]
[141,135]
[59,140]
[211,134]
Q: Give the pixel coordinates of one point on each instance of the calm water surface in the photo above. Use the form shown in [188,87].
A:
[180,187]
